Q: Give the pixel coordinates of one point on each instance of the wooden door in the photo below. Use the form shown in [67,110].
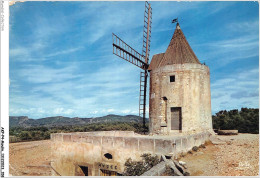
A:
[176,120]
[107,173]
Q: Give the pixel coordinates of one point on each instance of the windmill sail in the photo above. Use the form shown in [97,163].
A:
[145,52]
[147,31]
[123,50]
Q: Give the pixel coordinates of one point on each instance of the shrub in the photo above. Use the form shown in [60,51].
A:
[202,146]
[150,160]
[137,168]
[195,148]
[134,168]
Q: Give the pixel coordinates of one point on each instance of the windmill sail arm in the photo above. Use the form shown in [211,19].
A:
[147,31]
[123,50]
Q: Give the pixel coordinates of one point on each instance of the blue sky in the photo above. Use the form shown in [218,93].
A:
[61,60]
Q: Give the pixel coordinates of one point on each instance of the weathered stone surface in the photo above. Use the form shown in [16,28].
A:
[91,149]
[163,146]
[58,137]
[146,145]
[87,139]
[67,138]
[184,144]
[227,132]
[118,142]
[182,163]
[175,169]
[190,143]
[97,140]
[178,146]
[190,91]
[76,138]
[131,143]
[107,141]
[157,170]
[179,167]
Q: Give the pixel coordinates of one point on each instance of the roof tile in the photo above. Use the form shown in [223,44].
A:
[178,52]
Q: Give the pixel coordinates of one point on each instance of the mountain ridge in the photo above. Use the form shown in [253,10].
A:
[56,121]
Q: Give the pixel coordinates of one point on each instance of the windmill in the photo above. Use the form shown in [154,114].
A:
[124,51]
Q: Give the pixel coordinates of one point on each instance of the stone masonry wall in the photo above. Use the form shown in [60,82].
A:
[190,91]
[72,150]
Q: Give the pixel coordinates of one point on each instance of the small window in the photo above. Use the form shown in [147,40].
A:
[172,78]
[108,156]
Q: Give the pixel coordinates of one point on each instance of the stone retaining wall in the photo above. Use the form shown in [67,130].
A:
[87,149]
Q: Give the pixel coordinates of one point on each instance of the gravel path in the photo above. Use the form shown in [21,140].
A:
[240,156]
[237,156]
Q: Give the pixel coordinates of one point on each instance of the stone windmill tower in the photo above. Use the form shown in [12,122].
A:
[179,90]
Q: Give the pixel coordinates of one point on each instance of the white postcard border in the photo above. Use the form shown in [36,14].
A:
[4,88]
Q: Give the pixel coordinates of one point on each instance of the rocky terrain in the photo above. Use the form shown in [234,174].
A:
[236,155]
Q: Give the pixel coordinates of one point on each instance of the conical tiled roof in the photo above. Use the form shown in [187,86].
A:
[178,52]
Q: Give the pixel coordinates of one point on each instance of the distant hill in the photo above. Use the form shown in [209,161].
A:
[24,121]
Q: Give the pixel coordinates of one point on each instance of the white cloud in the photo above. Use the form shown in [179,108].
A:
[66,51]
[247,41]
[101,83]
[218,6]
[110,110]
[229,50]
[247,26]
[126,111]
[94,112]
[62,111]
[135,112]
[43,74]
[80,96]
[18,52]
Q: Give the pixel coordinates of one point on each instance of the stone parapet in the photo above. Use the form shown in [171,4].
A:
[89,148]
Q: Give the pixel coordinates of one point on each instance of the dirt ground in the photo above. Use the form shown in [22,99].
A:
[237,156]
[30,158]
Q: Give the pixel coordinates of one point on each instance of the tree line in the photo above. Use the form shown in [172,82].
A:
[245,121]
[43,133]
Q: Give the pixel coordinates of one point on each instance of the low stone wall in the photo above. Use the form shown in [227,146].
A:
[72,150]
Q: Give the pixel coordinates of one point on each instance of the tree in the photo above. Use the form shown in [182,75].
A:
[24,135]
[245,121]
